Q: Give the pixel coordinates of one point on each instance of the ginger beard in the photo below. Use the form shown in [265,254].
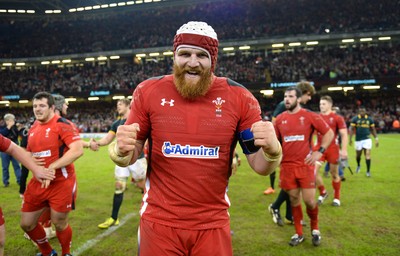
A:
[188,88]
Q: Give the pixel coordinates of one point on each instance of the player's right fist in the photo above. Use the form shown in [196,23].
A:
[126,138]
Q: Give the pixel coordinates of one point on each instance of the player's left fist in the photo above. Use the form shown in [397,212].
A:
[264,136]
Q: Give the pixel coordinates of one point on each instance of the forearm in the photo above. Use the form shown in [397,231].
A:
[23,157]
[264,163]
[344,138]
[68,158]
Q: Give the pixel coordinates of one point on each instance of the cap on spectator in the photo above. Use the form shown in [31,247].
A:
[59,101]
[197,34]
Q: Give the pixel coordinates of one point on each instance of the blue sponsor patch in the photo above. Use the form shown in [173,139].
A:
[188,151]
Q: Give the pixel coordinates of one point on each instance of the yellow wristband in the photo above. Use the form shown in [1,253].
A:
[122,161]
[276,157]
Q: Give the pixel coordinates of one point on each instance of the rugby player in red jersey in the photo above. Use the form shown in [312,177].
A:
[333,153]
[193,121]
[55,141]
[40,173]
[294,129]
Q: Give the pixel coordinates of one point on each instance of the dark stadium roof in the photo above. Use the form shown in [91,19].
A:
[42,5]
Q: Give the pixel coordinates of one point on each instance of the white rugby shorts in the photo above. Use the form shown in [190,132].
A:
[363,144]
[137,170]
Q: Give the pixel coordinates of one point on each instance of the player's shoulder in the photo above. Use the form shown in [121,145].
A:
[154,81]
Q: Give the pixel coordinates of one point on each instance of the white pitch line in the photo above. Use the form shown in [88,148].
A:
[94,241]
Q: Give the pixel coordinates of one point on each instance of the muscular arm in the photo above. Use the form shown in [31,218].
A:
[26,159]
[260,165]
[269,156]
[351,132]
[344,138]
[74,152]
[106,139]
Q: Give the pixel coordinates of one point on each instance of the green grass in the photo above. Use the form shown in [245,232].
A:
[367,223]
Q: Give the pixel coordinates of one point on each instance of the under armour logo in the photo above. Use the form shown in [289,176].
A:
[163,102]
[284,122]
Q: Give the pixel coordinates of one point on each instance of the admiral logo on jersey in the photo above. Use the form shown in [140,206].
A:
[189,151]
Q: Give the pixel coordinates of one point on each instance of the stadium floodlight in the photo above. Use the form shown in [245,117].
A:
[228,49]
[2,10]
[104,6]
[267,92]
[88,8]
[129,97]
[80,9]
[278,45]
[55,62]
[121,4]
[95,7]
[371,87]
[21,11]
[244,47]
[349,40]
[348,88]
[30,11]
[7,64]
[23,101]
[139,2]
[70,99]
[66,61]
[113,5]
[312,43]
[45,62]
[115,57]
[20,64]
[12,10]
[118,97]
[102,58]
[72,10]
[4,102]
[366,39]
[398,86]
[169,53]
[295,44]
[93,98]
[384,38]
[130,2]
[89,59]
[141,55]
[154,54]
[335,88]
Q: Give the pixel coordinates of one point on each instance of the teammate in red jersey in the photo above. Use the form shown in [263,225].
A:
[40,173]
[56,142]
[294,129]
[193,121]
[333,153]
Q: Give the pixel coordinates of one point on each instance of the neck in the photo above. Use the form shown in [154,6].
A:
[295,110]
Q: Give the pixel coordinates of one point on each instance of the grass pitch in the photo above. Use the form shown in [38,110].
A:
[367,223]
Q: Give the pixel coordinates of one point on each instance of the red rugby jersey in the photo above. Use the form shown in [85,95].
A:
[295,131]
[50,141]
[191,145]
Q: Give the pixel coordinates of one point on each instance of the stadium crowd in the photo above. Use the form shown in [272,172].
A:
[322,63]
[146,28]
